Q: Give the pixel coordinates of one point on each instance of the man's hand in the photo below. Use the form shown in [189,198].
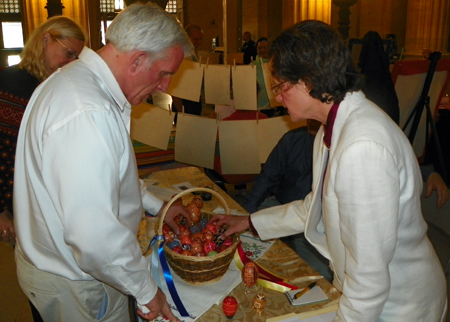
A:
[156,306]
[435,182]
[236,224]
[7,232]
[175,209]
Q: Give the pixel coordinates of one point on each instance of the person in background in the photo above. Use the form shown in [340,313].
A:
[287,176]
[55,43]
[248,48]
[195,34]
[363,213]
[262,48]
[78,200]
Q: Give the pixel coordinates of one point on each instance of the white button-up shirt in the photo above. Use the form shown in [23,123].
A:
[78,200]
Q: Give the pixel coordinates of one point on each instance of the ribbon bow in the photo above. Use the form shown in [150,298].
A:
[158,252]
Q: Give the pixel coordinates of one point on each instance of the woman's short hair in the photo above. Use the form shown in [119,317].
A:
[32,56]
[314,52]
[149,28]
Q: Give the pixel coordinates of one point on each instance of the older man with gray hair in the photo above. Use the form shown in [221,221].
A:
[77,194]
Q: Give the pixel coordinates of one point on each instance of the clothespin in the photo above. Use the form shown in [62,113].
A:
[218,118]
[207,62]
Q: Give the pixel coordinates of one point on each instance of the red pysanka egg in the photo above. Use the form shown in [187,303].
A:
[211,227]
[228,241]
[250,274]
[221,248]
[209,246]
[184,232]
[177,249]
[168,237]
[166,228]
[186,240]
[208,235]
[229,306]
[186,252]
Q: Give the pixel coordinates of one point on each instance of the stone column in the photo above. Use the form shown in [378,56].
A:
[427,26]
[344,15]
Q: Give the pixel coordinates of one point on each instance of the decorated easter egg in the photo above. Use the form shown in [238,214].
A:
[209,246]
[196,228]
[186,240]
[211,227]
[177,249]
[166,228]
[173,243]
[194,212]
[184,232]
[168,237]
[186,252]
[212,253]
[196,247]
[198,201]
[250,274]
[229,306]
[208,236]
[221,248]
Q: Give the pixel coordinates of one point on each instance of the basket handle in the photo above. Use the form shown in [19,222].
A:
[185,192]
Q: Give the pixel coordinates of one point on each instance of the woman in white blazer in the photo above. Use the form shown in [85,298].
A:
[363,213]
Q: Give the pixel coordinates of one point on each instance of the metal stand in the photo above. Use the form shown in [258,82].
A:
[424,101]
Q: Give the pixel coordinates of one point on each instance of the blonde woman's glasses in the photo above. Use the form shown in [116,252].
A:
[69,53]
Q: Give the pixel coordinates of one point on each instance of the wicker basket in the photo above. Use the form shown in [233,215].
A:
[199,270]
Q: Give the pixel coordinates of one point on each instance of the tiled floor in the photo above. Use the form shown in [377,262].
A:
[14,305]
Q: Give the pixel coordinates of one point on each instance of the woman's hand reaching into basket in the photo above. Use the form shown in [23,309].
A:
[237,224]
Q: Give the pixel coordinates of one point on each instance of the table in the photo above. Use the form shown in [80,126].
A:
[279,259]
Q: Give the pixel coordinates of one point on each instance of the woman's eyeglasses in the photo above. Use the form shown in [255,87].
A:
[69,53]
[277,88]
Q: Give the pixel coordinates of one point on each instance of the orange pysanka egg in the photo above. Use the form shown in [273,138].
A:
[198,201]
[250,274]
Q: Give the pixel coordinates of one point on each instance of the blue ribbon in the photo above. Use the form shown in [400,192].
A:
[167,275]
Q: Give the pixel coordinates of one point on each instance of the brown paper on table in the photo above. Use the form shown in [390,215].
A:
[151,125]
[268,81]
[187,81]
[195,140]
[270,131]
[244,87]
[217,84]
[239,147]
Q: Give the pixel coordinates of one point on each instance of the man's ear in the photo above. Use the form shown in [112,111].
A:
[137,60]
